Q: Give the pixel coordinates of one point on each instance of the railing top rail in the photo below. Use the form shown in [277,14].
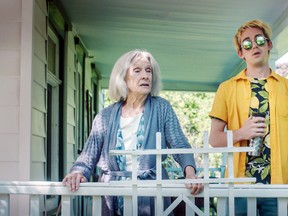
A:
[166,183]
[150,183]
[97,189]
[181,151]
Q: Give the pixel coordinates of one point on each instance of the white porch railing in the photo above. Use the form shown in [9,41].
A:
[158,188]
[96,190]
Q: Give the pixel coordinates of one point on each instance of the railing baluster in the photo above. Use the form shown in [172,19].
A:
[230,173]
[4,205]
[96,205]
[66,205]
[221,205]
[282,206]
[206,176]
[35,205]
[134,186]
[159,199]
[190,211]
[251,206]
[128,205]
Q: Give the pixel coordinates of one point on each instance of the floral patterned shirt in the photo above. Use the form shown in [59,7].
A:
[259,166]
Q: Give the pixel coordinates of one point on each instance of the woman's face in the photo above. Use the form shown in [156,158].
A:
[139,77]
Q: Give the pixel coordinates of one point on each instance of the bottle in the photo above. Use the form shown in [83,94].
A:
[256,142]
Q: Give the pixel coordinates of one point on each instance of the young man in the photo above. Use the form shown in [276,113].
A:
[256,89]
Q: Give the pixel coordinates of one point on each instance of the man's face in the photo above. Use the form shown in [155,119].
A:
[257,55]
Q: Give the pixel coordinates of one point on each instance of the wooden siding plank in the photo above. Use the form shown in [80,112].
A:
[9,147]
[38,97]
[69,165]
[71,44]
[9,116]
[10,36]
[71,96]
[71,134]
[38,123]
[9,87]
[38,149]
[10,62]
[70,57]
[6,168]
[71,115]
[11,12]
[40,21]
[70,153]
[39,72]
[71,79]
[39,46]
[38,173]
[88,74]
[42,4]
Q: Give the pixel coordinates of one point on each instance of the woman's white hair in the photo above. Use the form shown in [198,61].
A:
[118,89]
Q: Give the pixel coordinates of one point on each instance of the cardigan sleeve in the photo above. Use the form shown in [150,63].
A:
[175,137]
[91,152]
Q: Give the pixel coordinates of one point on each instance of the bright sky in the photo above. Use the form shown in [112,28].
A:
[283,59]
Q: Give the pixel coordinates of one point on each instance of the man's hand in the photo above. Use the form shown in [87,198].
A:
[253,127]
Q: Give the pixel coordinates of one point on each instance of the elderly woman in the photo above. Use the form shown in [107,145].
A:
[132,123]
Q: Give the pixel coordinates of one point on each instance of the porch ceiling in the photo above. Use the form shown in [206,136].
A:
[191,39]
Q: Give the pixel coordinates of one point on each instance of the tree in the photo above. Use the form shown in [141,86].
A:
[192,109]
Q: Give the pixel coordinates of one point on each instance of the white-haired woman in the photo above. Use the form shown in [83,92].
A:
[132,122]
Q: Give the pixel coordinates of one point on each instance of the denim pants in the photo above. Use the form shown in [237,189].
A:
[265,206]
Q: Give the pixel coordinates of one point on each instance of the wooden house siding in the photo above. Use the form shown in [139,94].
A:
[71,88]
[10,49]
[24,94]
[39,91]
[15,94]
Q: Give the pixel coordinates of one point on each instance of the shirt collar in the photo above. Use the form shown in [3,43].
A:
[242,75]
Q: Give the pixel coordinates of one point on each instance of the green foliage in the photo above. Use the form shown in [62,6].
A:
[192,109]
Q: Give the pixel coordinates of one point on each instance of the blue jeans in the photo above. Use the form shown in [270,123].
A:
[265,206]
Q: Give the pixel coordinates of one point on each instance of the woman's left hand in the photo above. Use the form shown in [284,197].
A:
[195,188]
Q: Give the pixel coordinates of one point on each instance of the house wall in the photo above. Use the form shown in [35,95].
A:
[79,75]
[23,95]
[16,18]
[10,78]
[71,92]
[39,91]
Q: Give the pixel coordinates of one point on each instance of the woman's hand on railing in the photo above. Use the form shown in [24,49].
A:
[73,180]
[195,188]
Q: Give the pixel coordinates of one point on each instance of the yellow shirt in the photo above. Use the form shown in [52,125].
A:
[231,104]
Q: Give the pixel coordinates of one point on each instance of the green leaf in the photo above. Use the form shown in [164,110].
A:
[264,94]
[262,82]
[263,108]
[265,172]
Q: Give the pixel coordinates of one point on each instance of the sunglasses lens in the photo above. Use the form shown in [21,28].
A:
[247,44]
[260,40]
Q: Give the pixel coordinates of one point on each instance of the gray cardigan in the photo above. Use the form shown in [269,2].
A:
[158,117]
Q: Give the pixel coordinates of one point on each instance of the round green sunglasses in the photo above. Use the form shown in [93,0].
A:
[260,40]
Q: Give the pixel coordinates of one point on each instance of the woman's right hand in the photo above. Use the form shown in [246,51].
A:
[73,180]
